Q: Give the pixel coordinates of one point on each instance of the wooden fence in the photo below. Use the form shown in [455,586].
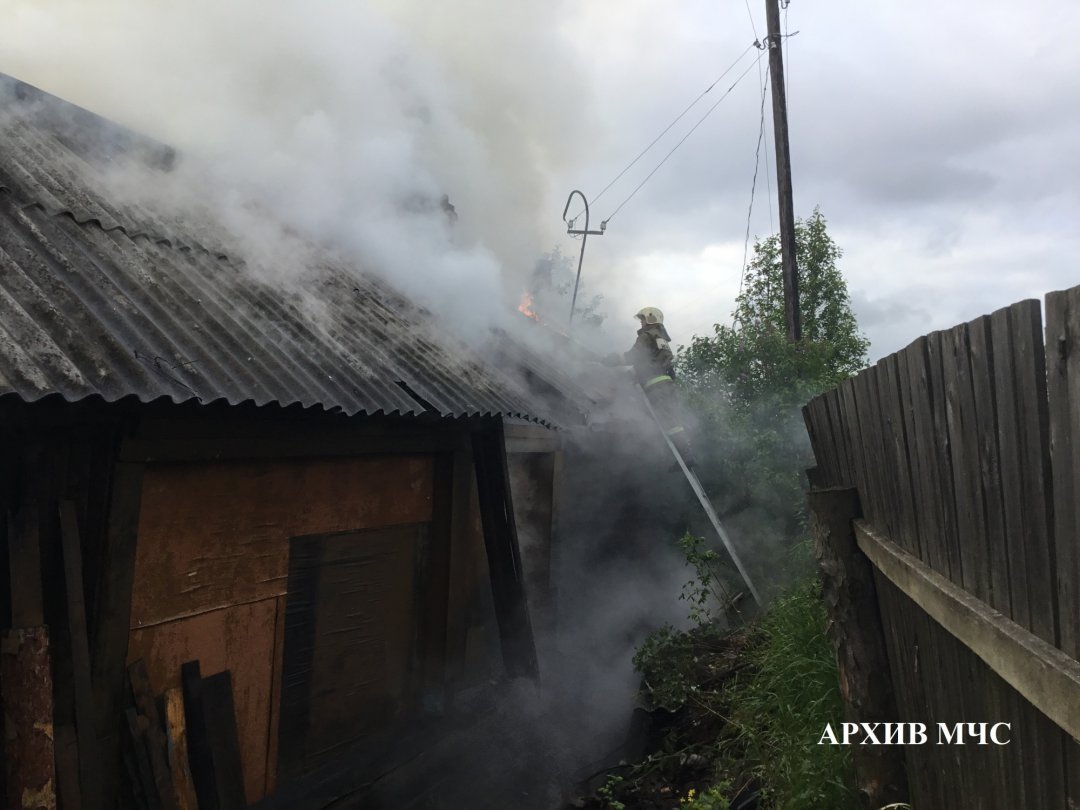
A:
[964,449]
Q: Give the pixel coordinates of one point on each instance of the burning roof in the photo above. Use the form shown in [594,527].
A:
[103,297]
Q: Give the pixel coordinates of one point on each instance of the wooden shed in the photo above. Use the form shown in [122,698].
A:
[276,540]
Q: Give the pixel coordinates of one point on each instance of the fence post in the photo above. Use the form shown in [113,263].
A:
[858,639]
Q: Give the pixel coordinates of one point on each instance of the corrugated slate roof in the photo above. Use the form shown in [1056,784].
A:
[99,296]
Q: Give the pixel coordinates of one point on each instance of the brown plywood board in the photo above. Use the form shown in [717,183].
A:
[364,634]
[216,534]
[239,639]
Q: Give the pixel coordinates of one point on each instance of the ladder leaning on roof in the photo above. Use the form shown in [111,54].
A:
[695,485]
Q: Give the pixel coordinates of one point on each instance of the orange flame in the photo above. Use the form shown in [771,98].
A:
[525,307]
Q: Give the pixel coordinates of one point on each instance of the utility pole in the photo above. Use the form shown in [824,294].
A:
[783,172]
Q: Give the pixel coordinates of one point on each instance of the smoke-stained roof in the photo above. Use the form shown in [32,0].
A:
[103,297]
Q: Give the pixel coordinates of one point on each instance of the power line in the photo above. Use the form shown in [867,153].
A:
[666,129]
[683,139]
[750,14]
[753,188]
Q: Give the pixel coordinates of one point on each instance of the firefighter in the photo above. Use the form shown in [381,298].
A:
[652,360]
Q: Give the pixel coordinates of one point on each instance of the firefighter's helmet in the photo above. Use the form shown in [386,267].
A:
[650,315]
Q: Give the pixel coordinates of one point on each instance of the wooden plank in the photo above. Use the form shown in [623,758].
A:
[971,523]
[1034,454]
[865,409]
[26,688]
[219,714]
[843,440]
[137,727]
[905,652]
[200,756]
[240,639]
[154,734]
[1011,469]
[1007,377]
[982,383]
[275,699]
[176,731]
[1048,678]
[819,429]
[233,435]
[964,444]
[434,590]
[504,555]
[67,768]
[85,721]
[890,380]
[915,391]
[942,453]
[1038,541]
[858,640]
[1063,394]
[849,414]
[24,561]
[274,447]
[463,552]
[111,630]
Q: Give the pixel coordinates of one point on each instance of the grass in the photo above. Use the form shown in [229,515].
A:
[781,705]
[746,710]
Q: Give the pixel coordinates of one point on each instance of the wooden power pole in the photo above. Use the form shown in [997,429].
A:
[783,172]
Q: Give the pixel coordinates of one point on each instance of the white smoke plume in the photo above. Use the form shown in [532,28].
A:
[348,121]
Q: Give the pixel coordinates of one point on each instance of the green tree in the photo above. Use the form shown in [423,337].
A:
[746,384]
[752,361]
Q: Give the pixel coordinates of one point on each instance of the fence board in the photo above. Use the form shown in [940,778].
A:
[982,385]
[849,413]
[985,698]
[1011,485]
[1033,443]
[946,495]
[929,487]
[845,469]
[1063,397]
[964,445]
[866,406]
[897,454]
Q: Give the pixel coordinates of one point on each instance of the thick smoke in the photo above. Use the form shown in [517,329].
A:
[346,125]
[347,122]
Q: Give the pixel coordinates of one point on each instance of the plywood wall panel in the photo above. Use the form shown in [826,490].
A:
[216,534]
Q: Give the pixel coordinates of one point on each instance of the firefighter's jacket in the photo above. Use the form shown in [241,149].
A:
[651,355]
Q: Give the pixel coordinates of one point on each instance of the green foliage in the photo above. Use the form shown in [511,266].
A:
[705,593]
[669,659]
[715,798]
[552,286]
[746,384]
[607,794]
[753,361]
[781,708]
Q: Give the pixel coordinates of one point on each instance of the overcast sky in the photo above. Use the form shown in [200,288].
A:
[939,139]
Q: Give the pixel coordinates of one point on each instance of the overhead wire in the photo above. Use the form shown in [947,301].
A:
[753,189]
[667,129]
[682,140]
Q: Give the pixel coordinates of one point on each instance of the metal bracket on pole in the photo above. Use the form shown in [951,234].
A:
[706,504]
[585,234]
